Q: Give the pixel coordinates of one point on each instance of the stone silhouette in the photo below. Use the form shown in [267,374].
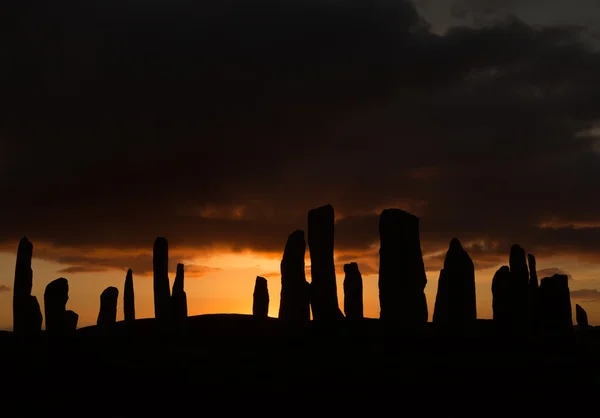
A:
[295,302]
[179,297]
[27,316]
[323,287]
[108,307]
[455,303]
[353,292]
[260,304]
[162,292]
[128,298]
[581,317]
[58,319]
[502,295]
[555,305]
[534,308]
[402,278]
[520,282]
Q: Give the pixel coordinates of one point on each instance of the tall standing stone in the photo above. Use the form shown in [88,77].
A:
[162,293]
[502,296]
[295,301]
[455,303]
[58,319]
[128,298]
[353,292]
[108,307]
[402,278]
[581,317]
[179,297]
[520,276]
[27,316]
[323,287]
[534,308]
[555,305]
[260,303]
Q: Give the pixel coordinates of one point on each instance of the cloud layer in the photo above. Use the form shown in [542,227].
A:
[219,124]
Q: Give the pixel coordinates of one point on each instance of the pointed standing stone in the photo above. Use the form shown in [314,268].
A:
[520,276]
[502,294]
[58,319]
[534,308]
[295,303]
[581,317]
[179,298]
[108,307]
[162,293]
[455,303]
[323,287]
[402,278]
[128,298]
[353,292]
[27,316]
[260,304]
[555,305]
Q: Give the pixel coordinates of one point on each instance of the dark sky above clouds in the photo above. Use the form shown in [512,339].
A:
[220,124]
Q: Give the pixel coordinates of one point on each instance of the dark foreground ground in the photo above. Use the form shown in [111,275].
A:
[236,365]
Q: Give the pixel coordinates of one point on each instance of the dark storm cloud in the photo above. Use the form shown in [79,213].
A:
[124,121]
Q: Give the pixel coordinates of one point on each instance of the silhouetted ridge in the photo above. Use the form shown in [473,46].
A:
[129,298]
[162,292]
[353,292]
[27,316]
[555,305]
[260,303]
[295,302]
[581,317]
[455,303]
[58,319]
[323,287]
[402,278]
[179,297]
[108,307]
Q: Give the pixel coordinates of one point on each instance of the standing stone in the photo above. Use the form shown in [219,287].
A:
[520,276]
[502,296]
[162,293]
[295,302]
[323,287]
[455,303]
[108,307]
[27,316]
[179,297]
[260,304]
[128,298]
[353,292]
[581,317]
[402,278]
[555,305]
[58,319]
[534,308]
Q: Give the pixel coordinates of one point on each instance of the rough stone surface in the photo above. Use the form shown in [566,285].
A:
[295,301]
[402,278]
[455,303]
[323,287]
[260,304]
[353,292]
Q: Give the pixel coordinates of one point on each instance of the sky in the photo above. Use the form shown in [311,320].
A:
[220,124]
